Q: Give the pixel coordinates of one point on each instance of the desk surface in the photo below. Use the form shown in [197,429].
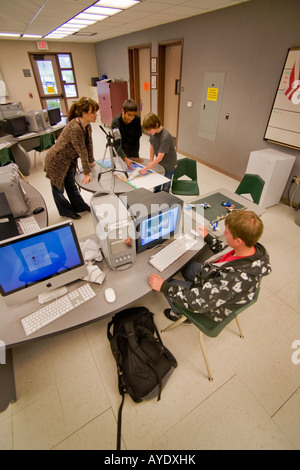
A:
[229,195]
[19,146]
[130,285]
[110,183]
[36,200]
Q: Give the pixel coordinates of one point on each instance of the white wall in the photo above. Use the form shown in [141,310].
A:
[248,42]
[14,58]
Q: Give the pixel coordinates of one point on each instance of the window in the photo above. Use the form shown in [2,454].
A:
[67,75]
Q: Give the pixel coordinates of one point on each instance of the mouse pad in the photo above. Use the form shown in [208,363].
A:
[217,211]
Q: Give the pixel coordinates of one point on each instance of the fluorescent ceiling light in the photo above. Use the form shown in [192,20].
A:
[81,22]
[10,35]
[117,3]
[55,36]
[31,36]
[88,16]
[91,15]
[102,11]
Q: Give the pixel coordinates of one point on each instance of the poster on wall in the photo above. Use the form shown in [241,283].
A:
[284,122]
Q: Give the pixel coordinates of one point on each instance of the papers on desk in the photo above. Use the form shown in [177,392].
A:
[147,181]
[106,163]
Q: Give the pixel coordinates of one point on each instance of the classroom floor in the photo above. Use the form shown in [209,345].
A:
[67,385]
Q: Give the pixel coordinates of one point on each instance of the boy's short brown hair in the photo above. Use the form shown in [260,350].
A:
[245,225]
[129,105]
[151,121]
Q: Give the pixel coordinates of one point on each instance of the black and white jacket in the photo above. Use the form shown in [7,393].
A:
[220,288]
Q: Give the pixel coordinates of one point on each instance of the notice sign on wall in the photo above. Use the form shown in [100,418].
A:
[212,94]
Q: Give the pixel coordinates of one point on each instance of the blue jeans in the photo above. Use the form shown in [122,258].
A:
[189,271]
[76,204]
[165,187]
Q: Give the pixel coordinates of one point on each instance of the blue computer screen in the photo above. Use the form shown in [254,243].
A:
[159,226]
[37,257]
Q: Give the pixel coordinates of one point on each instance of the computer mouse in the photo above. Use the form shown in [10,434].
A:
[38,210]
[110,295]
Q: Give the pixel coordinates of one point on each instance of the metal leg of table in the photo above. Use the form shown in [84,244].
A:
[7,381]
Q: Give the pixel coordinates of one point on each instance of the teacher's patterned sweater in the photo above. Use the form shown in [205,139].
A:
[222,287]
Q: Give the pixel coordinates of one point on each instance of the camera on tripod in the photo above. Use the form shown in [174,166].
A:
[116,163]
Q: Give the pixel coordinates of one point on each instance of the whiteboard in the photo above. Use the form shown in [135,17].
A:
[284,122]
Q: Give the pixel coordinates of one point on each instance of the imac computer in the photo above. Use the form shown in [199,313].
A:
[54,116]
[36,263]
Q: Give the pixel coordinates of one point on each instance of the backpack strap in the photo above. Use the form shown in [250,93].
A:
[120,423]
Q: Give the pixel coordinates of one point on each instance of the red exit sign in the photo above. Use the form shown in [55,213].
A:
[42,45]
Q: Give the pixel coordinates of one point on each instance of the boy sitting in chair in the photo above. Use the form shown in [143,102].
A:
[219,287]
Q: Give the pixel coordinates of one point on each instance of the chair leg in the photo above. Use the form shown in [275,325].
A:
[239,328]
[34,159]
[174,324]
[210,378]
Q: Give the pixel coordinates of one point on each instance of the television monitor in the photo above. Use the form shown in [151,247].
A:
[15,126]
[35,263]
[54,116]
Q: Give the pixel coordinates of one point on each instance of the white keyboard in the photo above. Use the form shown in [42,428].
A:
[172,252]
[28,225]
[56,309]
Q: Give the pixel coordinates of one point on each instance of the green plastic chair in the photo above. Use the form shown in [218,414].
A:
[208,326]
[185,167]
[251,184]
[46,142]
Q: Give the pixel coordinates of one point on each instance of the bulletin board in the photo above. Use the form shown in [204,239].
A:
[283,127]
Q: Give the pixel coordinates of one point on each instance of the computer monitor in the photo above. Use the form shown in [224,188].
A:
[156,216]
[15,126]
[157,228]
[39,262]
[54,116]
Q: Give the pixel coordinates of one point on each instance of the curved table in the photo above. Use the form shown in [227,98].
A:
[109,182]
[7,389]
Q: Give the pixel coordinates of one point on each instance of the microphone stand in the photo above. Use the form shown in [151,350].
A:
[113,155]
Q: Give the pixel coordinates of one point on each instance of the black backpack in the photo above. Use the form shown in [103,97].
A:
[144,364]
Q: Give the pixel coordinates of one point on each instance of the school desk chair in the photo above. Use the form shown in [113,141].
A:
[251,184]
[185,187]
[209,327]
[46,142]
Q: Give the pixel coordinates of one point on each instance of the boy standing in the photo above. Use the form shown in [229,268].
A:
[127,141]
[162,149]
[217,288]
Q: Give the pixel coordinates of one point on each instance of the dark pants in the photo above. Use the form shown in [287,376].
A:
[76,204]
[165,187]
[189,271]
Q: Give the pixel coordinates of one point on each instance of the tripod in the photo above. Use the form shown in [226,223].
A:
[113,156]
